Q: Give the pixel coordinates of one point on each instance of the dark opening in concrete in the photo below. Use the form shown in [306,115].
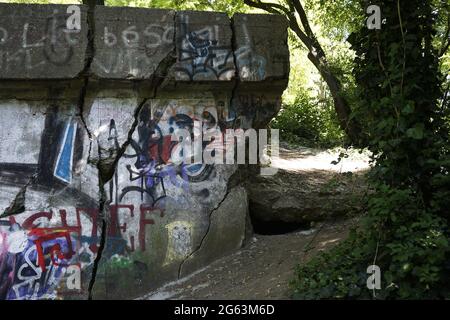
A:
[276,227]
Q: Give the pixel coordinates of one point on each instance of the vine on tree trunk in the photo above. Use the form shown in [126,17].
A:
[405,231]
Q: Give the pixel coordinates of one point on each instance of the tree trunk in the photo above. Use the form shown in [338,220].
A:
[341,105]
[317,56]
[93,3]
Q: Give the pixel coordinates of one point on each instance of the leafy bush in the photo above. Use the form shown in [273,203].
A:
[308,123]
[406,229]
[412,251]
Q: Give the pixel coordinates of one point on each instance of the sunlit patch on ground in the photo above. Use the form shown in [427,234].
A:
[307,159]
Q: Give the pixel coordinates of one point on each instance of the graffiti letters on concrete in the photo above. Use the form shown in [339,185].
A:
[39,44]
[131,42]
[47,251]
[43,254]
[201,55]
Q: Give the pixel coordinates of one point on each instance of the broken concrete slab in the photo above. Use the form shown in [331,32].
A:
[305,196]
[130,43]
[204,48]
[109,189]
[261,47]
[42,41]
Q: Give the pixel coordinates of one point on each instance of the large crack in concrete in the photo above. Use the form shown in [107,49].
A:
[103,229]
[81,108]
[108,166]
[106,169]
[233,181]
[200,245]
[17,205]
[90,51]
[236,80]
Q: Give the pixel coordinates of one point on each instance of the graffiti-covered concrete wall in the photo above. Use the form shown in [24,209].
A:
[92,199]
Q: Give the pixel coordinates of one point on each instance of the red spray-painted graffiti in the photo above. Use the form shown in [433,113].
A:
[37,252]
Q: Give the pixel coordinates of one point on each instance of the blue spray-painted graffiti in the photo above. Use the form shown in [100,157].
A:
[63,168]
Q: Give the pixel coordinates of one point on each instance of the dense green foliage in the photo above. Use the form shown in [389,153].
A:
[406,230]
[308,121]
[228,6]
[308,97]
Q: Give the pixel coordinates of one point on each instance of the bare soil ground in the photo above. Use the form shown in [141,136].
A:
[260,270]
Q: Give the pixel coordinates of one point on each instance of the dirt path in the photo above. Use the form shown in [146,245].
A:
[260,270]
[263,268]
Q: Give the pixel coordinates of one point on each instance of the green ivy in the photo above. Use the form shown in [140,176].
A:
[406,229]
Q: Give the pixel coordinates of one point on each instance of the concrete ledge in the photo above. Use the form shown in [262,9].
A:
[261,46]
[36,44]
[204,48]
[130,43]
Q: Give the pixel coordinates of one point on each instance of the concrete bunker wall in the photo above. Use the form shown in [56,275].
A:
[91,201]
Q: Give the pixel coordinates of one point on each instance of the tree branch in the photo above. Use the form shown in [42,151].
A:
[316,55]
[269,7]
[303,18]
[289,15]
[93,3]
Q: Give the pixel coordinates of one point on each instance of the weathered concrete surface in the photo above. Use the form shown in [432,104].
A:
[36,44]
[94,200]
[226,230]
[261,47]
[262,269]
[130,43]
[204,47]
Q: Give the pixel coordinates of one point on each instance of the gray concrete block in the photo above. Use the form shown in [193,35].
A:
[204,50]
[226,232]
[261,46]
[35,42]
[130,43]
